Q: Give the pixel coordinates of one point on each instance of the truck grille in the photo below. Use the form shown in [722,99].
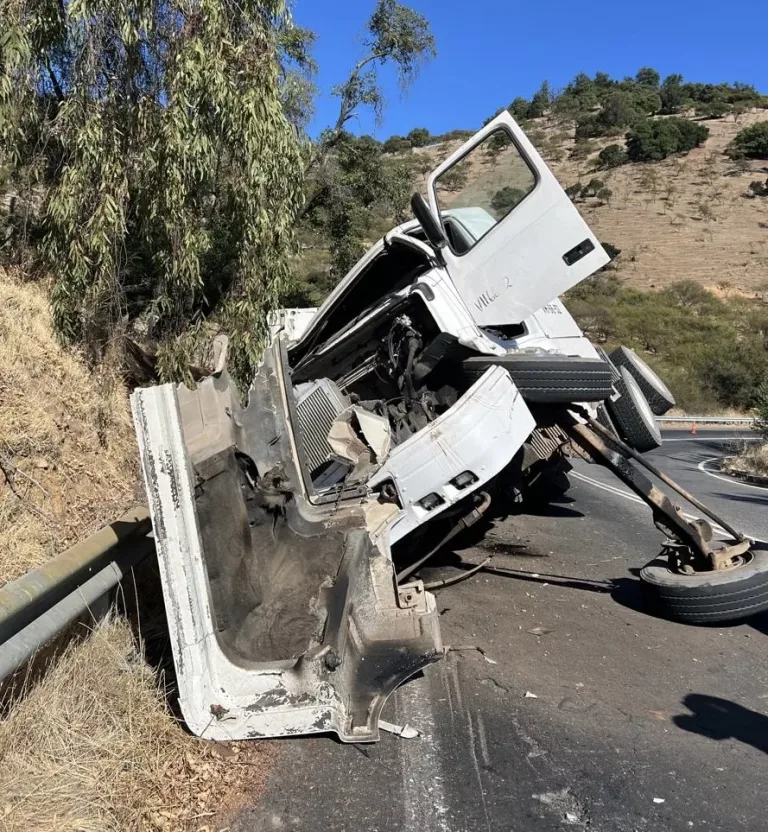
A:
[319,403]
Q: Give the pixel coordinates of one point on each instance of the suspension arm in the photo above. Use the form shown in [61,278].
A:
[691,540]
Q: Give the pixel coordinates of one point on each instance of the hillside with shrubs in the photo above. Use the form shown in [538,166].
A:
[673,178]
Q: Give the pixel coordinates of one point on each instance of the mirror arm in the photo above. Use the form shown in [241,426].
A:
[432,228]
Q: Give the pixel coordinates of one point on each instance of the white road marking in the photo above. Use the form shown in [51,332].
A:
[605,487]
[729,480]
[424,800]
[635,499]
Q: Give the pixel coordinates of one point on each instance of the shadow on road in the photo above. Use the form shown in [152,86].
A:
[757,499]
[721,719]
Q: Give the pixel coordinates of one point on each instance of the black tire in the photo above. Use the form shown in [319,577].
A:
[659,397]
[615,374]
[704,597]
[632,415]
[605,420]
[548,379]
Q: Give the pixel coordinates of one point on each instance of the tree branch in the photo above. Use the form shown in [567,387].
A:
[54,81]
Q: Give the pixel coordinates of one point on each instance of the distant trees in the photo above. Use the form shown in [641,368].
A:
[419,137]
[672,94]
[648,77]
[651,141]
[751,142]
[612,156]
[396,144]
[540,101]
[519,108]
[504,200]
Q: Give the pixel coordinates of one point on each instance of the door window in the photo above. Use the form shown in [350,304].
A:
[485,185]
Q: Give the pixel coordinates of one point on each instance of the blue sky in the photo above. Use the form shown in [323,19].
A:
[490,51]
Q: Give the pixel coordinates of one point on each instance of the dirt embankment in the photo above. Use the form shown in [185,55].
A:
[92,744]
[66,442]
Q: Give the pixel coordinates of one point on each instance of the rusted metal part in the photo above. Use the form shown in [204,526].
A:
[689,543]
[23,600]
[686,495]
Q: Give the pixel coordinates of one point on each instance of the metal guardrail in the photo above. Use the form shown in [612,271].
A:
[40,604]
[707,420]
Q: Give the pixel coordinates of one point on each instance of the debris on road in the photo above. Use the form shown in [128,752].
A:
[407,732]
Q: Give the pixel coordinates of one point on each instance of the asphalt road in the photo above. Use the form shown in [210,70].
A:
[582,711]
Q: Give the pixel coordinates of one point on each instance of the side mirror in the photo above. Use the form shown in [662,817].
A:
[427,221]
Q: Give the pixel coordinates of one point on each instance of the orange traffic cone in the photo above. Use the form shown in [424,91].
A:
[693,429]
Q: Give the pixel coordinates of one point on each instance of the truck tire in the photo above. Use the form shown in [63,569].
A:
[605,420]
[632,416]
[659,397]
[724,595]
[548,379]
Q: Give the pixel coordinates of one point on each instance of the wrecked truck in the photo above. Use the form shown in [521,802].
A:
[441,376]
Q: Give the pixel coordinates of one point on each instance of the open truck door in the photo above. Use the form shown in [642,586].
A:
[530,244]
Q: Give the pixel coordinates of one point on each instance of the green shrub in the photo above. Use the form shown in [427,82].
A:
[751,142]
[604,195]
[651,141]
[419,137]
[713,109]
[504,201]
[612,156]
[592,187]
[573,192]
[582,150]
[396,144]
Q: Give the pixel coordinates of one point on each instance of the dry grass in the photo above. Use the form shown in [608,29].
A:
[685,218]
[66,440]
[752,460]
[92,748]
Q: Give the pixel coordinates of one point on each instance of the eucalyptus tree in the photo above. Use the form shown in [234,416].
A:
[171,177]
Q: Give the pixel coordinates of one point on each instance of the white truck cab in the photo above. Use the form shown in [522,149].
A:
[442,365]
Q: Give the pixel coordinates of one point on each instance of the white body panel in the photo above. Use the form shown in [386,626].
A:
[553,329]
[480,433]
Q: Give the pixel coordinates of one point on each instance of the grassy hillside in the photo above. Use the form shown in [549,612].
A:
[67,451]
